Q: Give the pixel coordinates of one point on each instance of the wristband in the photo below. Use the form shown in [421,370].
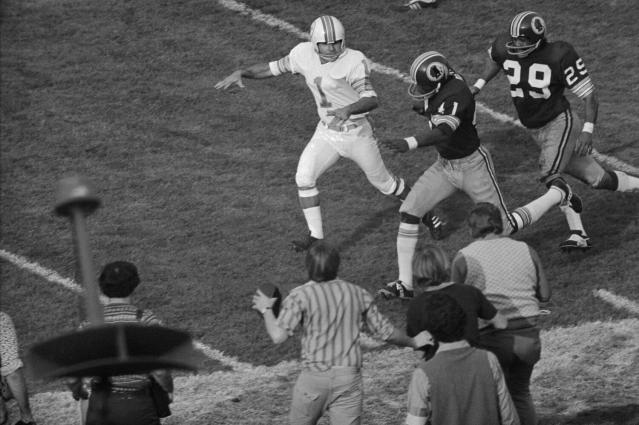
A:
[480,83]
[588,127]
[264,311]
[412,143]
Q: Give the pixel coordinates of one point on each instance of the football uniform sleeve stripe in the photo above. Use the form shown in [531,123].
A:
[364,88]
[583,88]
[449,120]
[281,66]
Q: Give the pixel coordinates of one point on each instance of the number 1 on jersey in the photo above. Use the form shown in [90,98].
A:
[324,101]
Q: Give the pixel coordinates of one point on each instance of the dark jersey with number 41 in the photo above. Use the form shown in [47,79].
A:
[452,110]
[537,81]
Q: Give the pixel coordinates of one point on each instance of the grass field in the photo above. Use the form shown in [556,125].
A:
[198,186]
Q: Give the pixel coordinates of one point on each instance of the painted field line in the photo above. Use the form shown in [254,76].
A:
[617,301]
[275,22]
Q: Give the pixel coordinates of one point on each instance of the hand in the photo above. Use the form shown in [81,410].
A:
[261,302]
[395,145]
[474,90]
[584,144]
[418,106]
[234,78]
[340,116]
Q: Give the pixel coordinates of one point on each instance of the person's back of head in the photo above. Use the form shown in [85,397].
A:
[119,279]
[322,262]
[431,266]
[438,313]
[485,219]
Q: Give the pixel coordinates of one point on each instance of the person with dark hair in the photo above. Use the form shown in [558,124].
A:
[511,275]
[12,373]
[460,384]
[331,313]
[431,271]
[123,399]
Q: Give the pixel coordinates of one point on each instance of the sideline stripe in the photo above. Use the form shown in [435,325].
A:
[274,22]
[617,301]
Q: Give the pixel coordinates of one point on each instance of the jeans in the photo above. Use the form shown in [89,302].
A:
[113,408]
[338,390]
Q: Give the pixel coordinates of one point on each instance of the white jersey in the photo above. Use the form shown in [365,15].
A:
[333,84]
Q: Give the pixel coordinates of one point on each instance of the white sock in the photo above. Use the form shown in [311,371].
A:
[407,238]
[313,218]
[573,219]
[533,211]
[626,183]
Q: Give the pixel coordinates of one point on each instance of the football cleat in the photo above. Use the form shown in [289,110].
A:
[416,5]
[304,243]
[577,241]
[435,226]
[395,289]
[571,199]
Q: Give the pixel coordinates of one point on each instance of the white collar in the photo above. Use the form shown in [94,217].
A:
[447,346]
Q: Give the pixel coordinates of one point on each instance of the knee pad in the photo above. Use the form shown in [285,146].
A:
[409,218]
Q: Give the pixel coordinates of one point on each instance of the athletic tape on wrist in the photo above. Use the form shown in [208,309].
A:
[412,143]
[588,127]
[480,83]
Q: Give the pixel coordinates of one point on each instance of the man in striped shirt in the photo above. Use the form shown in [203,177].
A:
[331,313]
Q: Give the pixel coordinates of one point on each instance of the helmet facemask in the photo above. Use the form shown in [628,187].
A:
[329,30]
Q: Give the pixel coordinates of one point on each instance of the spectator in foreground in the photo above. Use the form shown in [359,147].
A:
[431,271]
[511,276]
[331,313]
[461,384]
[125,399]
[12,371]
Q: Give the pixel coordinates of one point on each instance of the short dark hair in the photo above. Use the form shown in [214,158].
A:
[438,313]
[322,262]
[431,266]
[118,279]
[484,219]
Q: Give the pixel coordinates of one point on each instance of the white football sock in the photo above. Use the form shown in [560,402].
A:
[626,183]
[533,211]
[407,238]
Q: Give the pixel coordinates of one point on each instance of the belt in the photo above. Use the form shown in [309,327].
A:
[522,323]
[341,128]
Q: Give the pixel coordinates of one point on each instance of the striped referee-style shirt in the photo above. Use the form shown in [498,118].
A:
[128,313]
[331,315]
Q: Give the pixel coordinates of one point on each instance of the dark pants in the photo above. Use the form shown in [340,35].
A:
[108,407]
[517,351]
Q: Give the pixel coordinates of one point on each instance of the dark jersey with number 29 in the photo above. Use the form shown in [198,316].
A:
[537,81]
[452,110]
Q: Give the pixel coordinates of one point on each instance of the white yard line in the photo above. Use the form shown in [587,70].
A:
[622,303]
[275,22]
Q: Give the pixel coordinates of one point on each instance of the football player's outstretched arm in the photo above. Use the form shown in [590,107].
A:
[490,71]
[427,137]
[363,105]
[257,71]
[584,142]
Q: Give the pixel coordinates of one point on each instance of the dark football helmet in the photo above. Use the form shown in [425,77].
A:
[427,74]
[527,32]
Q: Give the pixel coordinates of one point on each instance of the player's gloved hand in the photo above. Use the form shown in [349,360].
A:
[234,78]
[584,144]
[395,145]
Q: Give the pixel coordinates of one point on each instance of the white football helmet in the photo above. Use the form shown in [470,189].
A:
[328,29]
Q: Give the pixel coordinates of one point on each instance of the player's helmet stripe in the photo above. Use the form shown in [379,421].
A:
[515,24]
[329,29]
[419,61]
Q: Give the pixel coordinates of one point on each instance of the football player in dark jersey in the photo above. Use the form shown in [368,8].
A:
[538,72]
[443,97]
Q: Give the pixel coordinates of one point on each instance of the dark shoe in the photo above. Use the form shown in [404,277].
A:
[395,289]
[435,226]
[576,242]
[415,5]
[571,199]
[303,244]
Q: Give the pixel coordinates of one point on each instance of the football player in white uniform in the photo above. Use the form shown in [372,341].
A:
[339,79]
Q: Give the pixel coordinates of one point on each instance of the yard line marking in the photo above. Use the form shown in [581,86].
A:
[622,303]
[37,269]
[275,22]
